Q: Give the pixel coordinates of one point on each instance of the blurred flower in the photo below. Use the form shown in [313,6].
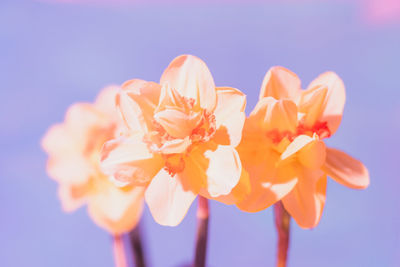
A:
[74,162]
[181,139]
[283,148]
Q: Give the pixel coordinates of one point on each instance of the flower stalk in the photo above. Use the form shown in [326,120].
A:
[119,251]
[137,247]
[202,232]
[282,224]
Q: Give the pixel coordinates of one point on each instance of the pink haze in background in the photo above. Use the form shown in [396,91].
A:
[375,12]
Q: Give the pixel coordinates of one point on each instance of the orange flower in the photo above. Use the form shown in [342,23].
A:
[181,141]
[283,148]
[74,162]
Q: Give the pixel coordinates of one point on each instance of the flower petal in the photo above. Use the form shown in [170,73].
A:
[73,196]
[334,101]
[280,83]
[275,115]
[313,155]
[224,170]
[129,160]
[238,193]
[191,77]
[167,200]
[307,199]
[229,115]
[268,183]
[298,143]
[72,169]
[345,169]
[146,95]
[177,123]
[105,100]
[117,210]
[265,194]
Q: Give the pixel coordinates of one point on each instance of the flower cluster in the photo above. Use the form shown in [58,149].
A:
[168,142]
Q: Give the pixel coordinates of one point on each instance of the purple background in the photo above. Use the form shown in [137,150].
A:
[52,55]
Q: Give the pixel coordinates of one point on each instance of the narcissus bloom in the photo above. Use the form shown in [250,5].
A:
[283,149]
[74,162]
[182,138]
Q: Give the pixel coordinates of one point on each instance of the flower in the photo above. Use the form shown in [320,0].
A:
[181,141]
[283,149]
[74,162]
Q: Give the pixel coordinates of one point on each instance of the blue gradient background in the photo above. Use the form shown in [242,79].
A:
[52,55]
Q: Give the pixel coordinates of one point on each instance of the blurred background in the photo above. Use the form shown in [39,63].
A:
[55,53]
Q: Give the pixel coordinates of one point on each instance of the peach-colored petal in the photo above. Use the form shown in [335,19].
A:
[345,169]
[229,115]
[335,99]
[268,183]
[128,159]
[275,115]
[191,77]
[280,83]
[72,196]
[238,193]
[177,123]
[146,95]
[131,113]
[80,120]
[105,100]
[194,177]
[312,104]
[58,141]
[307,199]
[70,169]
[224,170]
[313,155]
[117,210]
[265,193]
[296,145]
[174,146]
[167,200]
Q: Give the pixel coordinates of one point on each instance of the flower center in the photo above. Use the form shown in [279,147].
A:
[319,128]
[200,127]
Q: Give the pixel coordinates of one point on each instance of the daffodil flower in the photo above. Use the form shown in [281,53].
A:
[283,147]
[181,139]
[74,148]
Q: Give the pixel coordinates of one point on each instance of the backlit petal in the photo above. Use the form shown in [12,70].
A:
[335,99]
[238,193]
[307,199]
[177,123]
[73,196]
[229,115]
[312,104]
[191,77]
[128,159]
[117,210]
[105,101]
[224,170]
[167,200]
[268,191]
[146,95]
[280,83]
[346,170]
[298,143]
[275,115]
